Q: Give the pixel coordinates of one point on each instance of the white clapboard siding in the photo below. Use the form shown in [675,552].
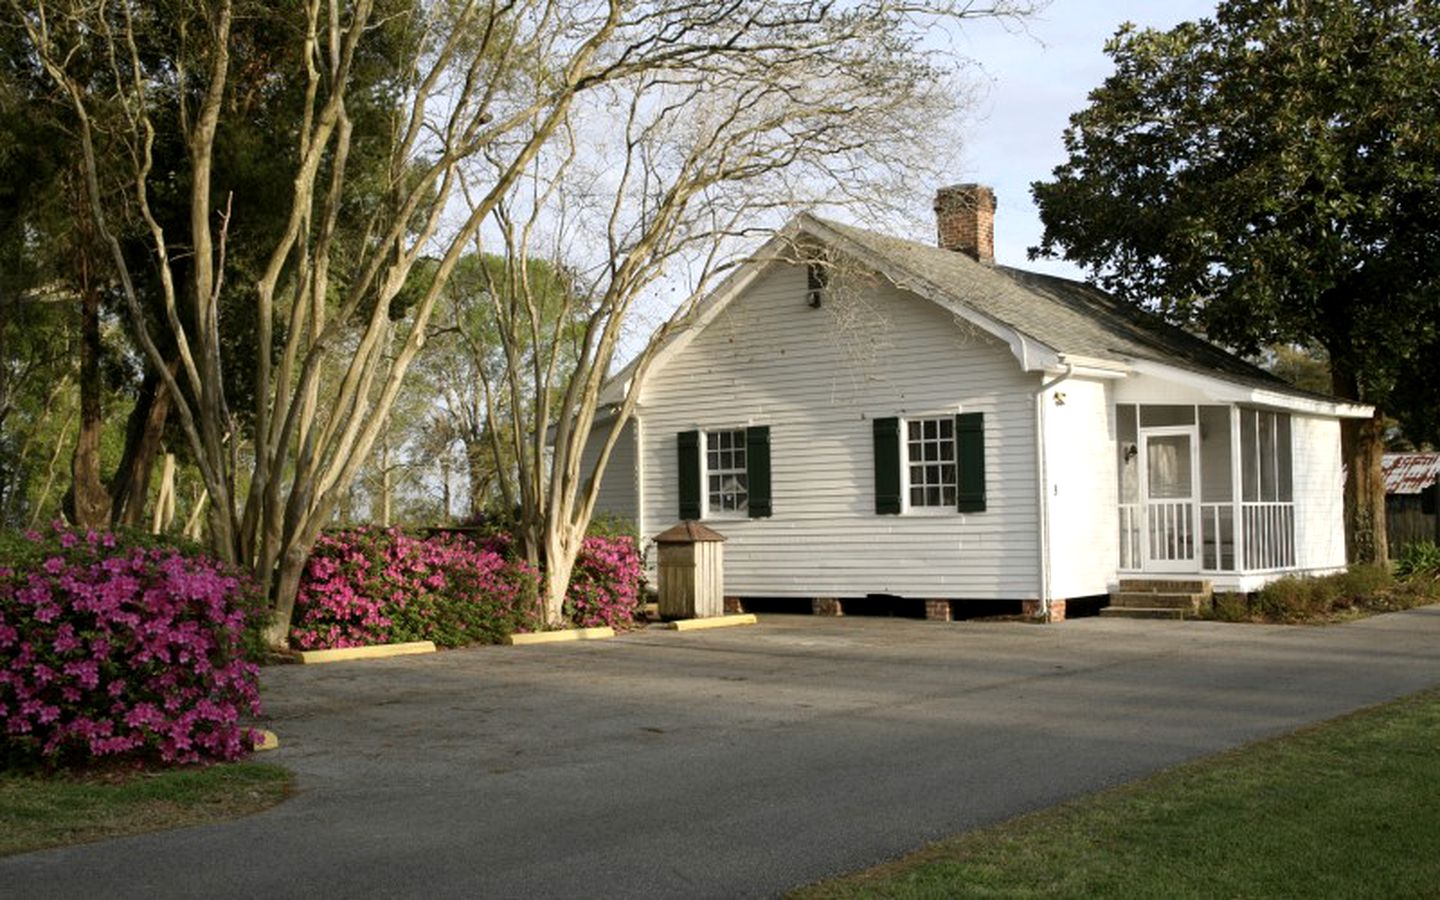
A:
[817,378]
[619,485]
[1319,498]
[1082,495]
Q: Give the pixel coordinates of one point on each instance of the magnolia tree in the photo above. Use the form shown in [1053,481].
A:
[716,111]
[659,181]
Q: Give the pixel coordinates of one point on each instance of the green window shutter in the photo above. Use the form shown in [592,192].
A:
[688,445]
[887,467]
[757,470]
[970,454]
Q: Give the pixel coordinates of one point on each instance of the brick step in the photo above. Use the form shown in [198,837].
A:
[1165,586]
[1141,612]
[1145,600]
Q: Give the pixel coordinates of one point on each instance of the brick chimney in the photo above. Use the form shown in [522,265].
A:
[965,220]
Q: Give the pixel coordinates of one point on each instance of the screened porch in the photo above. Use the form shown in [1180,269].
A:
[1204,488]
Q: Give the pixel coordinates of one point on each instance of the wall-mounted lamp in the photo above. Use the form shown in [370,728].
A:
[1059,398]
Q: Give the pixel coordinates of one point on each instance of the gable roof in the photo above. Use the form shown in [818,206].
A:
[1048,322]
[1072,318]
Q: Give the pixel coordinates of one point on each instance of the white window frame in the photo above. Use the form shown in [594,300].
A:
[906,507]
[708,510]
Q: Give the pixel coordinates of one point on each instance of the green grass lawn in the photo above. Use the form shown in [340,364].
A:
[38,811]
[1350,808]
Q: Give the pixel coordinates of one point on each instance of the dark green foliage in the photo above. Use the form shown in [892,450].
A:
[1419,559]
[1361,590]
[1273,175]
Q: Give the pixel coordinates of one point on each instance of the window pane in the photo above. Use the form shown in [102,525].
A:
[727,482]
[932,442]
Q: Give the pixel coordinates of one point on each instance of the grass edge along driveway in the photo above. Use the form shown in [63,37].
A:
[1346,808]
[55,810]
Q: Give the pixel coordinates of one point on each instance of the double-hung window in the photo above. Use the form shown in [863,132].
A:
[724,473]
[930,450]
[728,481]
[930,463]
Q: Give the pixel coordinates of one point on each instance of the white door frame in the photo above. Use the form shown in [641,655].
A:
[1149,560]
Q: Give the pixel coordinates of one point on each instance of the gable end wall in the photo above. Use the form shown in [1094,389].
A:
[818,377]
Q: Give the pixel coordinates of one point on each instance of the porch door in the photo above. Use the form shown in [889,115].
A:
[1169,483]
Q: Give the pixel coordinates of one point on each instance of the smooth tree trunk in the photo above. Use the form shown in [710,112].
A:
[561,548]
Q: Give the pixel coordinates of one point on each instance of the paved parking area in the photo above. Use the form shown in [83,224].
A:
[734,762]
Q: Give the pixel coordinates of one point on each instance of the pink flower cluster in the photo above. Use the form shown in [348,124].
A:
[115,650]
[605,584]
[377,586]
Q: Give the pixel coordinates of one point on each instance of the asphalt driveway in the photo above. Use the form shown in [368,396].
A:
[735,762]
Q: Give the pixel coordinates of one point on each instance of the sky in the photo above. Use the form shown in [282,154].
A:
[1036,79]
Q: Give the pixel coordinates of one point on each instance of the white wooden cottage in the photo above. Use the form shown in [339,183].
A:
[864,415]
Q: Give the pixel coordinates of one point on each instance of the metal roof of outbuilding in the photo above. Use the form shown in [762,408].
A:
[1410,473]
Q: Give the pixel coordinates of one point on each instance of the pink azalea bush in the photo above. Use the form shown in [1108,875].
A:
[380,586]
[605,584]
[110,648]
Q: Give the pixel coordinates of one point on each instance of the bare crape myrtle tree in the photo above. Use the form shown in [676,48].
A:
[646,133]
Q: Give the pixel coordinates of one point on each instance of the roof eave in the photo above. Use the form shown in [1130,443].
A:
[1224,390]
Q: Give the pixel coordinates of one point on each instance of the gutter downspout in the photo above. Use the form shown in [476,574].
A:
[1044,488]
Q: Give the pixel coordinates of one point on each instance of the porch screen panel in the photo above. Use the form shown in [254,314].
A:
[1128,474]
[1268,509]
[1154,416]
[1284,475]
[1266,422]
[1217,511]
[1249,461]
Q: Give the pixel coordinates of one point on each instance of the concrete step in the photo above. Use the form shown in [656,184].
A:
[1165,586]
[1141,612]
[1146,600]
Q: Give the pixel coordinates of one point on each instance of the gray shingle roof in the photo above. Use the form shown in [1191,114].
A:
[1070,317]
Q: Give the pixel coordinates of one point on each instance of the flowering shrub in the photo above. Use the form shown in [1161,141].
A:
[111,649]
[380,586]
[605,584]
